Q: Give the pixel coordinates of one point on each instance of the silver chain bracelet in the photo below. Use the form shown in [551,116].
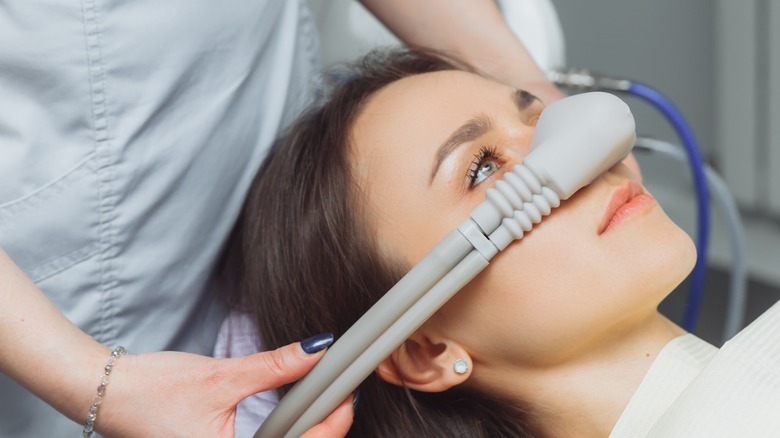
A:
[89,426]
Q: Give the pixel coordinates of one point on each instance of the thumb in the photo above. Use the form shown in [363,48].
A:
[270,369]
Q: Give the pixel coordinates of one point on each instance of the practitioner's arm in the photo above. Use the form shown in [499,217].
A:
[474,30]
[152,394]
[42,350]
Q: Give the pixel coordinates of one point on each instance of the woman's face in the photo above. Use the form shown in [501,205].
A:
[424,150]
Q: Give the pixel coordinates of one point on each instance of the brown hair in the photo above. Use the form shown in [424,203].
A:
[301,260]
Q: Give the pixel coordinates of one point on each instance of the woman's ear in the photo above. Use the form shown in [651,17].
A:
[425,364]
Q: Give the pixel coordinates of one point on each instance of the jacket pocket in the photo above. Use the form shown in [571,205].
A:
[54,226]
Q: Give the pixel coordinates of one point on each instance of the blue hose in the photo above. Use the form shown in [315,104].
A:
[702,199]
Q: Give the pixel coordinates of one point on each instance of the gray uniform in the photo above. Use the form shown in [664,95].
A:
[129,133]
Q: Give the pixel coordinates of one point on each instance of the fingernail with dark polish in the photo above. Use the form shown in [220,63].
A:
[355,400]
[317,343]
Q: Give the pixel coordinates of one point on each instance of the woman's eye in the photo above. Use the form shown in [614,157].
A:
[485,170]
[485,164]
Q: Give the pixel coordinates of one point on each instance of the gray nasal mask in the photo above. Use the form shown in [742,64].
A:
[576,140]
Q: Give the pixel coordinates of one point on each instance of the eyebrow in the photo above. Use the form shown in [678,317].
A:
[469,131]
[475,128]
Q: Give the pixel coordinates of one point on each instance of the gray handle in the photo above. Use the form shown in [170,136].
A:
[388,341]
[446,255]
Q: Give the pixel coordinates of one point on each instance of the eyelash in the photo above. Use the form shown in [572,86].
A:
[486,153]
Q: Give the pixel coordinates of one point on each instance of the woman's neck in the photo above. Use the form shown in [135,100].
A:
[586,396]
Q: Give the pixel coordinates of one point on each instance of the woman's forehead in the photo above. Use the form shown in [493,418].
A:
[441,87]
[427,105]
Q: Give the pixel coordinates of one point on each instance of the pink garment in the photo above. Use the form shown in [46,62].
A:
[239,337]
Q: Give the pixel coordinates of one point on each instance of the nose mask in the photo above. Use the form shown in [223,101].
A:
[576,140]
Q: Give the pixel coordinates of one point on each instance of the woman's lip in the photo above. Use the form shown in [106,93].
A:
[624,201]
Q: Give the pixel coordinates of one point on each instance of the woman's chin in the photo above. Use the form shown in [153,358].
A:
[680,260]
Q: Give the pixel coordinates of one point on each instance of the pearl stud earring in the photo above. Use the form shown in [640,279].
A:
[460,366]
